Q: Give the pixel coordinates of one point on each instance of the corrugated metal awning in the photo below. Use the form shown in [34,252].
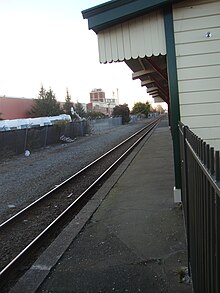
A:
[140,42]
[143,36]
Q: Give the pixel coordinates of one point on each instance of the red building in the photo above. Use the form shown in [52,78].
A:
[99,103]
[97,95]
[14,108]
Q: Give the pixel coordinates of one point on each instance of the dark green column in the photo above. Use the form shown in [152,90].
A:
[174,92]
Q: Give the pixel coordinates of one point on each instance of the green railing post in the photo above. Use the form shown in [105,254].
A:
[174,92]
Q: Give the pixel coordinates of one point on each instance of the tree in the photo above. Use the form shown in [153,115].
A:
[123,111]
[141,108]
[159,109]
[78,107]
[94,115]
[46,104]
[68,104]
[152,109]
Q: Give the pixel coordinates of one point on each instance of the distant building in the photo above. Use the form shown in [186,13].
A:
[89,107]
[14,108]
[97,95]
[99,103]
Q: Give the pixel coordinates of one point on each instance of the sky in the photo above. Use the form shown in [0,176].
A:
[47,42]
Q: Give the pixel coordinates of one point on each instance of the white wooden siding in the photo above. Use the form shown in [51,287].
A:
[197,85]
[191,9]
[199,97]
[200,72]
[205,109]
[139,37]
[198,66]
[210,135]
[196,61]
[194,121]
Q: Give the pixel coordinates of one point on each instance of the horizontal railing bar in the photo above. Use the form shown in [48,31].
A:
[204,169]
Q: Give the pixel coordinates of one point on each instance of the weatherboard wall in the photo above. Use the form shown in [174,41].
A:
[197,42]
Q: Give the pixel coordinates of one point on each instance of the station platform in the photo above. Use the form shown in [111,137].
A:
[129,238]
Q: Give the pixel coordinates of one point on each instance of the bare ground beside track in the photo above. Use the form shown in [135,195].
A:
[24,179]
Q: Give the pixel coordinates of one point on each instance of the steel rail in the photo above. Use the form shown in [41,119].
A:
[74,175]
[21,255]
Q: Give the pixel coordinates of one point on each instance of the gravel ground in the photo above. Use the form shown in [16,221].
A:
[24,179]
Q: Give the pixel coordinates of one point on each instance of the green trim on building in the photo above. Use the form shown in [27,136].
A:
[104,7]
[174,92]
[114,12]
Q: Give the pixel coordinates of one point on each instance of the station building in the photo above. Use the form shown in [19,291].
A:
[173,47]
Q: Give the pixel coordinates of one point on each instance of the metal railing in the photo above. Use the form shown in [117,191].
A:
[201,204]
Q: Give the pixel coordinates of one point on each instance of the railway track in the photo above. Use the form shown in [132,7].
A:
[23,233]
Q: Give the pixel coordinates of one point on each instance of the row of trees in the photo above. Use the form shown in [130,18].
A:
[141,109]
[47,105]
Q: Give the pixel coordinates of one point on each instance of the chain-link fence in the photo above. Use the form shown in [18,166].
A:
[100,125]
[17,141]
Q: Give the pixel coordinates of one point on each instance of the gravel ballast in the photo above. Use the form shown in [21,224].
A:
[24,179]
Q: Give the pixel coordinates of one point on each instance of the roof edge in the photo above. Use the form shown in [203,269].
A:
[87,13]
[117,11]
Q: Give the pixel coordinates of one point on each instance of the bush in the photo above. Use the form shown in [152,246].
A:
[123,111]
